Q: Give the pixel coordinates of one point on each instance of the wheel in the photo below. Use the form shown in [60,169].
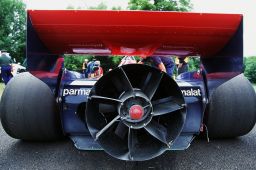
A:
[28,110]
[232,109]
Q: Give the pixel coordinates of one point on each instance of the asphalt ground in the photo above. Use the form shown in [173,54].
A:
[237,153]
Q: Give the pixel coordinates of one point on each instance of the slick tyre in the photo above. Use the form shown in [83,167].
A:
[232,109]
[28,110]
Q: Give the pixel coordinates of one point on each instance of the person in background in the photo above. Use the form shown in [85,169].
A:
[84,67]
[165,64]
[89,69]
[97,70]
[6,67]
[147,61]
[182,66]
[127,60]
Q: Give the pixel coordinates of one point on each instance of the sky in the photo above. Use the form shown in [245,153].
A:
[245,7]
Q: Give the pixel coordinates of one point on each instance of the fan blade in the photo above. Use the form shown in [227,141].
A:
[121,81]
[104,100]
[132,141]
[121,130]
[151,84]
[126,80]
[99,133]
[106,108]
[165,106]
[158,131]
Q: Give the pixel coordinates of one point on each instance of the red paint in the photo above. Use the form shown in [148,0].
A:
[222,75]
[50,74]
[136,112]
[134,32]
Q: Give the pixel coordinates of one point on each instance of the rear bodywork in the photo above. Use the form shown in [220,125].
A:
[216,38]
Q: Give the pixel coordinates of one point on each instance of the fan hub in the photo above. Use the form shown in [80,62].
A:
[136,112]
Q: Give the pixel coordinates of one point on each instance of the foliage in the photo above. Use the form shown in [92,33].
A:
[116,8]
[1,88]
[160,5]
[74,62]
[12,28]
[101,6]
[193,63]
[250,68]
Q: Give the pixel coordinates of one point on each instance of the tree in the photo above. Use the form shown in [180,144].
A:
[160,5]
[101,6]
[75,62]
[194,63]
[12,28]
[115,8]
[250,68]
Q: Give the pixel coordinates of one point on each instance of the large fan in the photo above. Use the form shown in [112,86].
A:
[135,112]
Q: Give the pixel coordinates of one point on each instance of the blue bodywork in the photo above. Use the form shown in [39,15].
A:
[73,109]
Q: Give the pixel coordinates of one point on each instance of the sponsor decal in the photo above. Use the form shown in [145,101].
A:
[186,91]
[191,92]
[75,92]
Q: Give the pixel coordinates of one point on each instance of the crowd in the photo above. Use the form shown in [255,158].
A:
[93,69]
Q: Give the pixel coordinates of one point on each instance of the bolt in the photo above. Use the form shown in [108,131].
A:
[184,105]
[59,100]
[205,100]
[168,145]
[65,107]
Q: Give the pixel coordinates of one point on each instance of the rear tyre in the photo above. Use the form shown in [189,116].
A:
[28,110]
[232,109]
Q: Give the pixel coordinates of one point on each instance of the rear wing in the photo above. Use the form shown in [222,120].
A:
[216,38]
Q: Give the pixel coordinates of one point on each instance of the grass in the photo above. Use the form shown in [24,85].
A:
[1,88]
[254,85]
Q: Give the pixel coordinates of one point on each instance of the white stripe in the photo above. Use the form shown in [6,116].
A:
[83,83]
[183,83]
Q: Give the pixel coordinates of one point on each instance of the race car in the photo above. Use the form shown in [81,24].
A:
[134,112]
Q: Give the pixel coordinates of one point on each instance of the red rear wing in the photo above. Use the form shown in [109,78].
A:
[141,33]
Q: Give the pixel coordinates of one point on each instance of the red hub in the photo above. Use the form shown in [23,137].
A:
[136,112]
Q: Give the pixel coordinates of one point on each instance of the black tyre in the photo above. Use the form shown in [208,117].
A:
[28,110]
[232,109]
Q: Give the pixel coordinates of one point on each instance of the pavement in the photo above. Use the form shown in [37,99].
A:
[237,153]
